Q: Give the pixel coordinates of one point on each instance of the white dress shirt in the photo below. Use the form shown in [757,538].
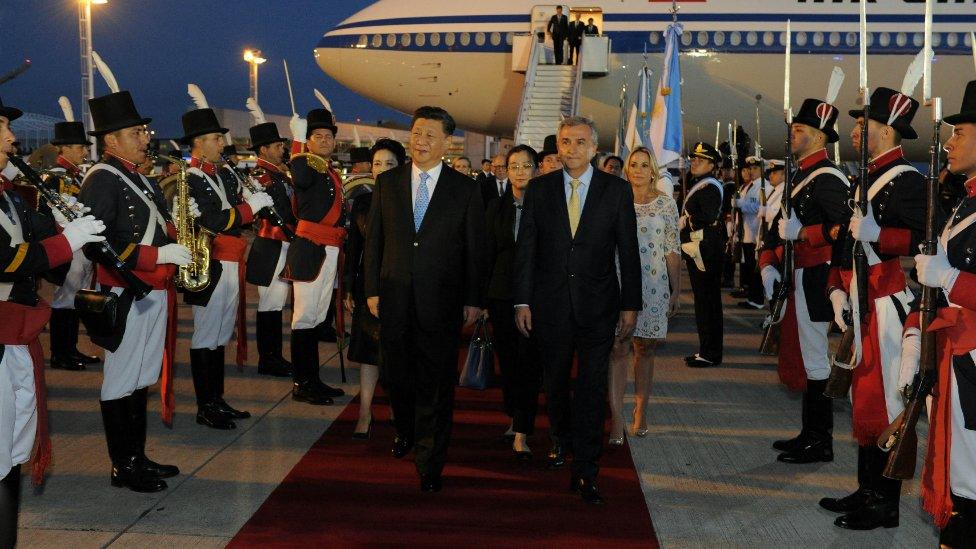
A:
[434,174]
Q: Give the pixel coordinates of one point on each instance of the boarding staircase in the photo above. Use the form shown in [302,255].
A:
[551,92]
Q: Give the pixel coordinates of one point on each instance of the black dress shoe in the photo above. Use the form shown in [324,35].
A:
[787,445]
[221,406]
[810,451]
[556,457]
[689,358]
[875,513]
[129,474]
[209,416]
[330,391]
[401,447]
[272,366]
[158,470]
[307,392]
[66,363]
[83,358]
[430,483]
[587,489]
[846,504]
[364,435]
[522,455]
[700,362]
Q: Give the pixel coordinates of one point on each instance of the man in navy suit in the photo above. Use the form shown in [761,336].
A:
[558,28]
[568,295]
[426,269]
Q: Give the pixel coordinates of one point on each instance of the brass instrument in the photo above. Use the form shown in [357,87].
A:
[194,276]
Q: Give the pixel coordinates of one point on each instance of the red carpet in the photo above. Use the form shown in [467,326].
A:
[348,492]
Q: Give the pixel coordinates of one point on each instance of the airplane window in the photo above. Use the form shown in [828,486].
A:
[884,39]
[768,38]
[851,39]
[719,38]
[377,40]
[509,38]
[752,38]
[818,39]
[686,38]
[735,38]
[435,39]
[421,39]
[967,39]
[702,38]
[952,40]
[801,39]
[449,38]
[390,40]
[654,38]
[496,39]
[936,39]
[363,41]
[479,38]
[918,39]
[405,39]
[834,39]
[465,39]
[901,39]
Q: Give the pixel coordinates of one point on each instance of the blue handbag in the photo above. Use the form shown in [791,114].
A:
[478,364]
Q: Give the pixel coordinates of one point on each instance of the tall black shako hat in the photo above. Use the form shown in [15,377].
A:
[200,122]
[263,134]
[548,147]
[321,118]
[819,115]
[69,133]
[967,113]
[11,113]
[893,109]
[707,152]
[114,112]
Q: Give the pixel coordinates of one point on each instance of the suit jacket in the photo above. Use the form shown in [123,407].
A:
[44,253]
[704,211]
[592,30]
[500,218]
[434,271]
[558,26]
[561,276]
[489,190]
[576,30]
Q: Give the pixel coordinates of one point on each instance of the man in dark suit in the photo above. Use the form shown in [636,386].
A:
[425,272]
[591,29]
[567,292]
[575,37]
[496,186]
[558,28]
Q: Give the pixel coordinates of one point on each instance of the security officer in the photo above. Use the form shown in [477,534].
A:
[819,212]
[216,308]
[748,204]
[703,247]
[313,256]
[266,260]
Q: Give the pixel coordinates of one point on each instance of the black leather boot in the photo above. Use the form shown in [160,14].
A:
[9,507]
[853,502]
[62,343]
[305,358]
[137,413]
[207,415]
[878,511]
[818,445]
[789,444]
[73,325]
[127,470]
[270,362]
[217,372]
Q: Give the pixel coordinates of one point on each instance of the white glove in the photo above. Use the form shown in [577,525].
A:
[175,254]
[935,271]
[865,229]
[840,303]
[83,230]
[72,203]
[298,127]
[789,228]
[194,209]
[911,352]
[257,201]
[770,276]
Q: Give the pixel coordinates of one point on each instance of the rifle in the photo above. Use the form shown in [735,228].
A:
[900,438]
[842,365]
[860,257]
[761,231]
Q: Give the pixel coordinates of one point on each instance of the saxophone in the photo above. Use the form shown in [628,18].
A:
[194,276]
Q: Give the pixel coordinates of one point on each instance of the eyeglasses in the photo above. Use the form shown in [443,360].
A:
[528,166]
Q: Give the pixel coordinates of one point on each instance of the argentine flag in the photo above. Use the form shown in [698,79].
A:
[638,132]
[665,130]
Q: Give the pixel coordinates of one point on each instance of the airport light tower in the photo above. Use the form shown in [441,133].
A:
[87,78]
[253,58]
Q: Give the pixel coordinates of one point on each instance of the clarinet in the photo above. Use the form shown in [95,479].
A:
[102,251]
[272,212]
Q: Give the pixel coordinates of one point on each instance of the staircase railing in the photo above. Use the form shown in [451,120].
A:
[530,72]
[577,80]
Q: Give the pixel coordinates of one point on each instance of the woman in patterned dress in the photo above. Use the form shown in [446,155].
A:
[657,234]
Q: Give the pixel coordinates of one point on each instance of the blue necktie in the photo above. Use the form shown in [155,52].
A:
[423,199]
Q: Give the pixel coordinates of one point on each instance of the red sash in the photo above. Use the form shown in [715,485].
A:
[233,248]
[884,279]
[166,378]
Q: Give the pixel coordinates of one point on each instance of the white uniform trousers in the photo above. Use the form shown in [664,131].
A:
[962,454]
[812,335]
[139,358]
[274,296]
[312,299]
[213,325]
[18,407]
[79,277]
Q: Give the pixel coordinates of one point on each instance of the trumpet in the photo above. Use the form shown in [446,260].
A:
[194,276]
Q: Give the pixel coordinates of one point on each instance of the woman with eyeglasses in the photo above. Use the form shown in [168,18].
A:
[657,235]
[516,355]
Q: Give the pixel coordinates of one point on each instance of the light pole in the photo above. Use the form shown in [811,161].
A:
[87,80]
[253,57]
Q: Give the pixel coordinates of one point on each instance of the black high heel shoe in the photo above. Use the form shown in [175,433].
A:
[364,435]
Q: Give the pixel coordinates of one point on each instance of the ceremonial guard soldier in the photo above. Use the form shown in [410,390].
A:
[748,204]
[948,482]
[30,246]
[217,309]
[72,144]
[140,228]
[314,255]
[266,260]
[894,227]
[819,211]
[703,236]
[775,176]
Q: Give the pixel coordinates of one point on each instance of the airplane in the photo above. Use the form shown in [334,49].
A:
[458,55]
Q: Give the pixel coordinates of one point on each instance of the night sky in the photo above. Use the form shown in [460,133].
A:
[155,47]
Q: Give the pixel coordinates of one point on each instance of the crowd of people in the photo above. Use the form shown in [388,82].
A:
[572,261]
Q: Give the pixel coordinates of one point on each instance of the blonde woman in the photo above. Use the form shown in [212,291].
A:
[657,235]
